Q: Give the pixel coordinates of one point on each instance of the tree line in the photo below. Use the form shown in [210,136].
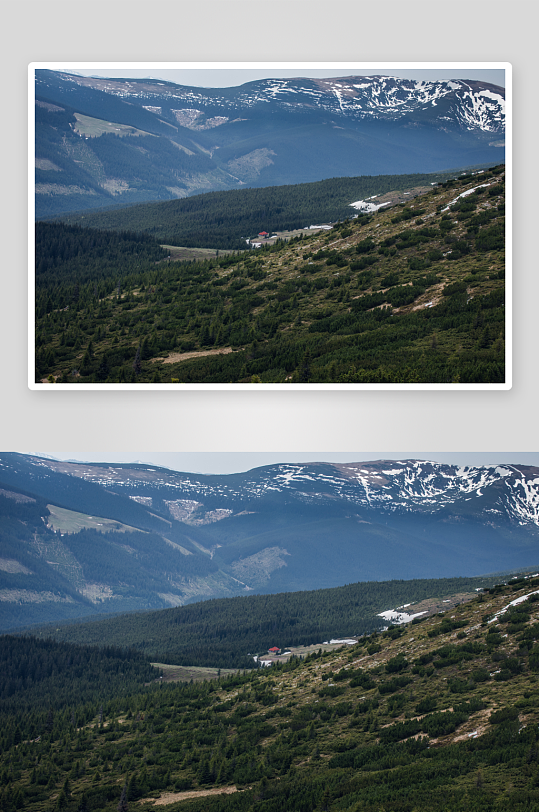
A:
[226,632]
[225,219]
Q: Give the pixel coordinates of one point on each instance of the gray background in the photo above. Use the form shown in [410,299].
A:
[295,422]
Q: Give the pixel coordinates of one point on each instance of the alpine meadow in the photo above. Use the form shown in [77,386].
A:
[288,232]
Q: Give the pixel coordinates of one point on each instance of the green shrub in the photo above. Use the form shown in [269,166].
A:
[396,664]
[503,715]
[426,705]
[330,690]
[392,685]
[458,686]
[442,724]
[365,246]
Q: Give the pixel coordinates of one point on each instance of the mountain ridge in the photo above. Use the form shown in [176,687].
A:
[113,538]
[265,133]
[436,482]
[354,95]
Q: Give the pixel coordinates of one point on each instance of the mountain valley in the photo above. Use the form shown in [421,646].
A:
[345,230]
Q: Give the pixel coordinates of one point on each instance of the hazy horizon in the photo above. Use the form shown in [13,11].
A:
[207,76]
[233,462]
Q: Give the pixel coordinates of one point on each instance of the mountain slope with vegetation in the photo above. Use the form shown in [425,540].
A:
[70,549]
[414,294]
[439,714]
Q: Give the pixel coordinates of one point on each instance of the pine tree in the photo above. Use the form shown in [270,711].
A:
[137,368]
[123,806]
[305,367]
[104,368]
[83,805]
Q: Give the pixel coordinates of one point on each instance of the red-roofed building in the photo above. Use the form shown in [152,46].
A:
[263,234]
[274,650]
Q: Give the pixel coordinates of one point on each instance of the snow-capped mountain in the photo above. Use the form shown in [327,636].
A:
[508,492]
[87,537]
[106,134]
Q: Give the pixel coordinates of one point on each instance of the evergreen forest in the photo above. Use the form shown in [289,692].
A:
[227,632]
[223,220]
[410,294]
[440,713]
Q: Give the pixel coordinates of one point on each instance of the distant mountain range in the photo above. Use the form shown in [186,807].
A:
[507,492]
[107,142]
[78,539]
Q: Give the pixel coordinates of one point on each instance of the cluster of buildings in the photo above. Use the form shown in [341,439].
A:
[274,655]
[258,242]
[265,238]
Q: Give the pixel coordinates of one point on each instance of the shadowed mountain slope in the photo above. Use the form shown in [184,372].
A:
[114,142]
[86,538]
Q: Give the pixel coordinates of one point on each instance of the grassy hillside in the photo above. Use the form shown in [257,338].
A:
[410,294]
[440,714]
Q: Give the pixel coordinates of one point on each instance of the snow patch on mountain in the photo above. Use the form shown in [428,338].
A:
[505,492]
[366,206]
[396,617]
[465,194]
[471,106]
[522,598]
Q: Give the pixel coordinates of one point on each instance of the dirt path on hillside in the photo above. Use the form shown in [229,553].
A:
[173,797]
[182,356]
